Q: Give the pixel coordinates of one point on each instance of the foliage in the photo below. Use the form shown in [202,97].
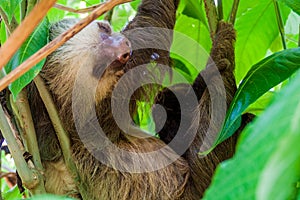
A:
[261,77]
[266,165]
[267,162]
[37,40]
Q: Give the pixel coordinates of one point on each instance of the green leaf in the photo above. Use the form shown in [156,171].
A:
[260,104]
[262,77]
[2,33]
[13,193]
[293,4]
[135,4]
[195,31]
[256,28]
[267,161]
[227,7]
[9,7]
[36,41]
[55,14]
[121,15]
[194,9]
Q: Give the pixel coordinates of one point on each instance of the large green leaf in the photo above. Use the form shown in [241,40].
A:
[267,161]
[193,9]
[293,4]
[36,41]
[9,7]
[256,28]
[262,77]
[227,7]
[196,31]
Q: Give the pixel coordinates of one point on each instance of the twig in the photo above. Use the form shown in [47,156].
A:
[7,174]
[234,11]
[46,50]
[220,9]
[280,23]
[83,10]
[212,16]
[23,31]
[56,122]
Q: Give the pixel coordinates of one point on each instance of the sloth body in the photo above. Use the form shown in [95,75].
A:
[87,51]
[97,55]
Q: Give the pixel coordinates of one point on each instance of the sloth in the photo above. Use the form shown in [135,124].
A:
[114,163]
[97,53]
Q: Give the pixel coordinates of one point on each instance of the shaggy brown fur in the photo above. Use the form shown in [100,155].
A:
[189,175]
[101,181]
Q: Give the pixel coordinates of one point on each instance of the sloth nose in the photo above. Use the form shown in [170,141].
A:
[125,48]
[124,58]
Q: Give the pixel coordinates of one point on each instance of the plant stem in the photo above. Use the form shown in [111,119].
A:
[220,9]
[62,135]
[280,23]
[211,13]
[28,176]
[234,11]
[29,136]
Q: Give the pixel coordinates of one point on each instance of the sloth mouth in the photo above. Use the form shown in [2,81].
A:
[120,62]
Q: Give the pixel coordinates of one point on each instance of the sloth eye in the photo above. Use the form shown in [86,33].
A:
[104,27]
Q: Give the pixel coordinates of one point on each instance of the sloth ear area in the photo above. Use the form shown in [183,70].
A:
[104,27]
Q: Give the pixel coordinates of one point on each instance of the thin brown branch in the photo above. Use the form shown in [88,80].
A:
[23,31]
[7,174]
[46,50]
[83,10]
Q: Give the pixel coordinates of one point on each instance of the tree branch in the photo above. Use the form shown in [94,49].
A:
[83,10]
[24,30]
[54,44]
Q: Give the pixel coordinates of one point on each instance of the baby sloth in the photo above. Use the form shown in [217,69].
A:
[112,164]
